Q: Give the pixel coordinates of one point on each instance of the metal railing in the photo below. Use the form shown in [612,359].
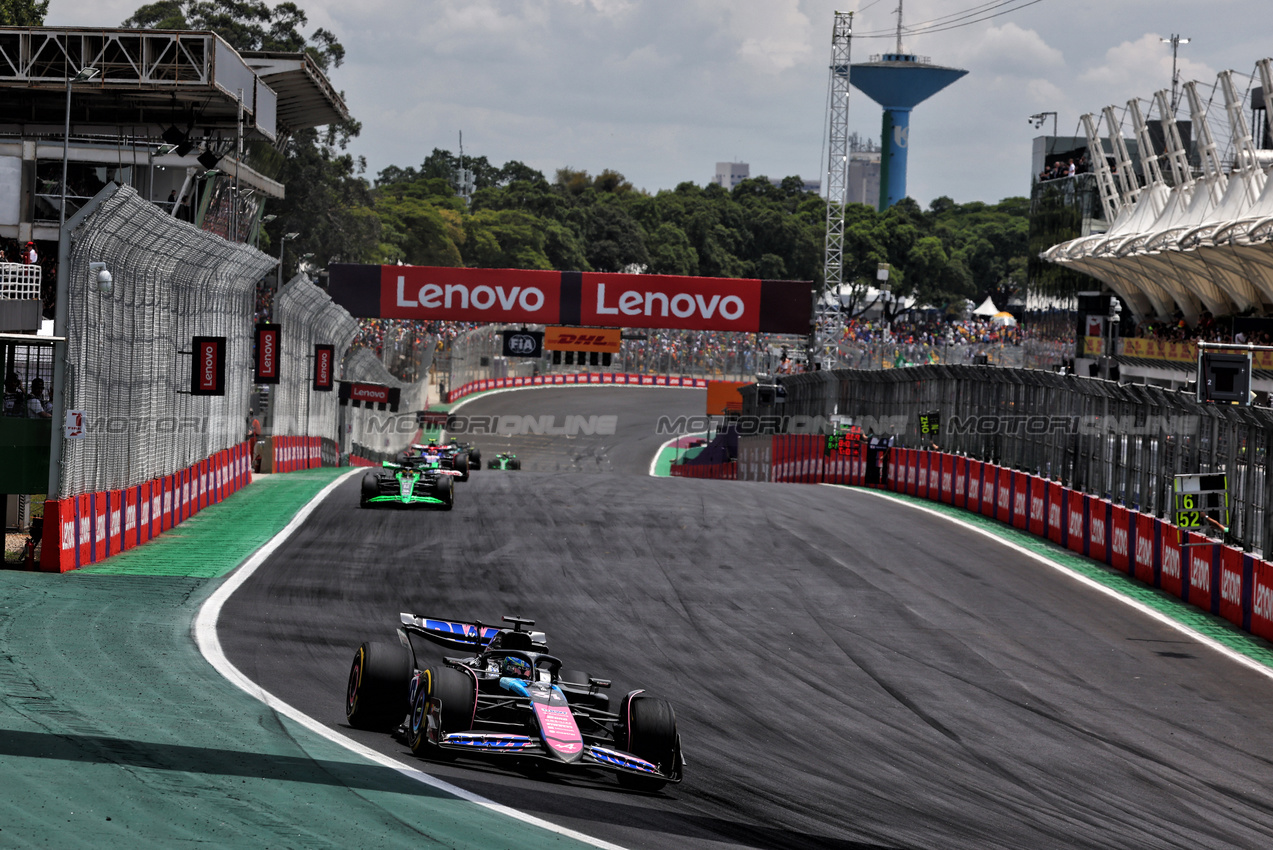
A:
[477,355]
[380,434]
[19,281]
[308,317]
[1124,442]
[128,363]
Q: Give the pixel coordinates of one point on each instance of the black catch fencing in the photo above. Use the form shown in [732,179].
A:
[1124,442]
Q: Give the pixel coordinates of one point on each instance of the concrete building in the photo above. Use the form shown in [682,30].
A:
[730,174]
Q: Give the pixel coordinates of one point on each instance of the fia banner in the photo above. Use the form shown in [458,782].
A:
[523,344]
[268,338]
[207,373]
[324,357]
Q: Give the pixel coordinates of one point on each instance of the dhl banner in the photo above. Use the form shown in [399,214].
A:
[604,340]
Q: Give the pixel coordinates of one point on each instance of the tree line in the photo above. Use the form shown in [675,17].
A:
[517,218]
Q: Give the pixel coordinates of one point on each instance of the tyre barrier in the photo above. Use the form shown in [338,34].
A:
[622,378]
[1218,578]
[89,528]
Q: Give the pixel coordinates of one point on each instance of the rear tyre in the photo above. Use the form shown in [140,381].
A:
[650,735]
[461,465]
[379,678]
[515,464]
[457,694]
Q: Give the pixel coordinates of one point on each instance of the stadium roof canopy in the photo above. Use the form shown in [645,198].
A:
[152,80]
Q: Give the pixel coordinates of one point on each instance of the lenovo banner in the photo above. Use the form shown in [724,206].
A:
[207,374]
[324,356]
[369,395]
[573,298]
[268,337]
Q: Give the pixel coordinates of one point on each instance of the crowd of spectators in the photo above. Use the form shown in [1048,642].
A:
[1065,167]
[24,403]
[29,253]
[1208,329]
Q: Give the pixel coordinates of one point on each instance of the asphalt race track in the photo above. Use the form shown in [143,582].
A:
[847,672]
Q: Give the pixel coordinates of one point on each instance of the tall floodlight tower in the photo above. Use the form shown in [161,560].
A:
[826,318]
[838,150]
[899,82]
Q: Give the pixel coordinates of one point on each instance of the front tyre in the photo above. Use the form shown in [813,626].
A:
[370,489]
[379,679]
[445,490]
[456,696]
[650,734]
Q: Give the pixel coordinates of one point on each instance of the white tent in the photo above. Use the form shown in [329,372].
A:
[987,308]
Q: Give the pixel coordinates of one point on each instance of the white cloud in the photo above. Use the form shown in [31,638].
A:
[1141,67]
[662,89]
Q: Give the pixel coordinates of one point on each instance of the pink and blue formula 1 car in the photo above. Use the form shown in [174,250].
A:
[508,699]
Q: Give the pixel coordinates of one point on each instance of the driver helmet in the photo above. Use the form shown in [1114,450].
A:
[516,668]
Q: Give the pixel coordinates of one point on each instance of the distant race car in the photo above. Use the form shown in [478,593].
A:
[504,460]
[405,484]
[474,453]
[445,459]
[508,699]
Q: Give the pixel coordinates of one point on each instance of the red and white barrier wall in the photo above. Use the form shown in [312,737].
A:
[722,471]
[290,454]
[581,378]
[1216,578]
[88,528]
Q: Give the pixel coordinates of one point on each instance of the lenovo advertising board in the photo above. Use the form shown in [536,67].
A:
[573,298]
[324,358]
[207,374]
[268,337]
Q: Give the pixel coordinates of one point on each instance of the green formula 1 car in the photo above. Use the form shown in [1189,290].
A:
[407,484]
[504,460]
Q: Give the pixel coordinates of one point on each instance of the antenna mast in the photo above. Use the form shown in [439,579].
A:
[899,26]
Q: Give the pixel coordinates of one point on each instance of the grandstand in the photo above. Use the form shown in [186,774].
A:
[161,114]
[1190,226]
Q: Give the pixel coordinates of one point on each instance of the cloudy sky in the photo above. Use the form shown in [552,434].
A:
[661,90]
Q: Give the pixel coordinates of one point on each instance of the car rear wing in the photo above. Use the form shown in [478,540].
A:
[457,634]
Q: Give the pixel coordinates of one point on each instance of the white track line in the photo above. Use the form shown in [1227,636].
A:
[1148,611]
[205,633]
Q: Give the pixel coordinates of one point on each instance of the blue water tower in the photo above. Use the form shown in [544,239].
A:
[897,82]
